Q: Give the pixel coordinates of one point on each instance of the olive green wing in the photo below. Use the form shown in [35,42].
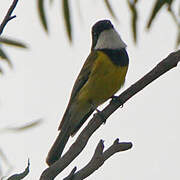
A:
[80,81]
[84,74]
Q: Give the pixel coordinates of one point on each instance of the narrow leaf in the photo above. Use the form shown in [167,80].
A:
[11,42]
[134,19]
[157,6]
[51,1]
[3,54]
[178,39]
[5,160]
[3,157]
[42,15]
[20,175]
[108,5]
[67,18]
[169,2]
[79,11]
[5,57]
[1,71]
[23,127]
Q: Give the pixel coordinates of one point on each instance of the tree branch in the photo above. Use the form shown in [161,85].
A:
[165,65]
[8,16]
[98,159]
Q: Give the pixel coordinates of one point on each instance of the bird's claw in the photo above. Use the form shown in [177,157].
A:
[101,115]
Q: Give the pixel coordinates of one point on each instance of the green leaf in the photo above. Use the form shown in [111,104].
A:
[51,1]
[67,18]
[5,57]
[22,127]
[3,157]
[178,39]
[108,5]
[4,160]
[169,2]
[20,175]
[42,15]
[1,71]
[134,19]
[3,54]
[11,42]
[157,6]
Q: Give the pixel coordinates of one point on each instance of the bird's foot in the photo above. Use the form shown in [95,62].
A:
[101,115]
[116,99]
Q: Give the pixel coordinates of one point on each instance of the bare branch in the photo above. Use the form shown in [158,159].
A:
[8,16]
[165,65]
[116,147]
[20,175]
[71,175]
[99,158]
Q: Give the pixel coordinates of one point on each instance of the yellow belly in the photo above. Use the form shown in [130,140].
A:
[104,81]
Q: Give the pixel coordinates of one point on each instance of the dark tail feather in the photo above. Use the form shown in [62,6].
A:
[58,146]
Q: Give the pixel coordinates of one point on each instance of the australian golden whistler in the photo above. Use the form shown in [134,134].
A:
[101,76]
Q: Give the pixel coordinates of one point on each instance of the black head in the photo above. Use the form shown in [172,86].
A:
[99,27]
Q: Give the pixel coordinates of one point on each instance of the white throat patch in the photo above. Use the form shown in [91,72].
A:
[109,39]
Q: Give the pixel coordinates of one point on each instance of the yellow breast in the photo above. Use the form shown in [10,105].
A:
[104,81]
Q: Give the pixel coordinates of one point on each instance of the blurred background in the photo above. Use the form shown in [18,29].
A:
[34,92]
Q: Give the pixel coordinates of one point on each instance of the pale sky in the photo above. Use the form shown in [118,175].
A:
[40,84]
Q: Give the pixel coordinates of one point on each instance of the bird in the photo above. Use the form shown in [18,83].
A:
[101,76]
